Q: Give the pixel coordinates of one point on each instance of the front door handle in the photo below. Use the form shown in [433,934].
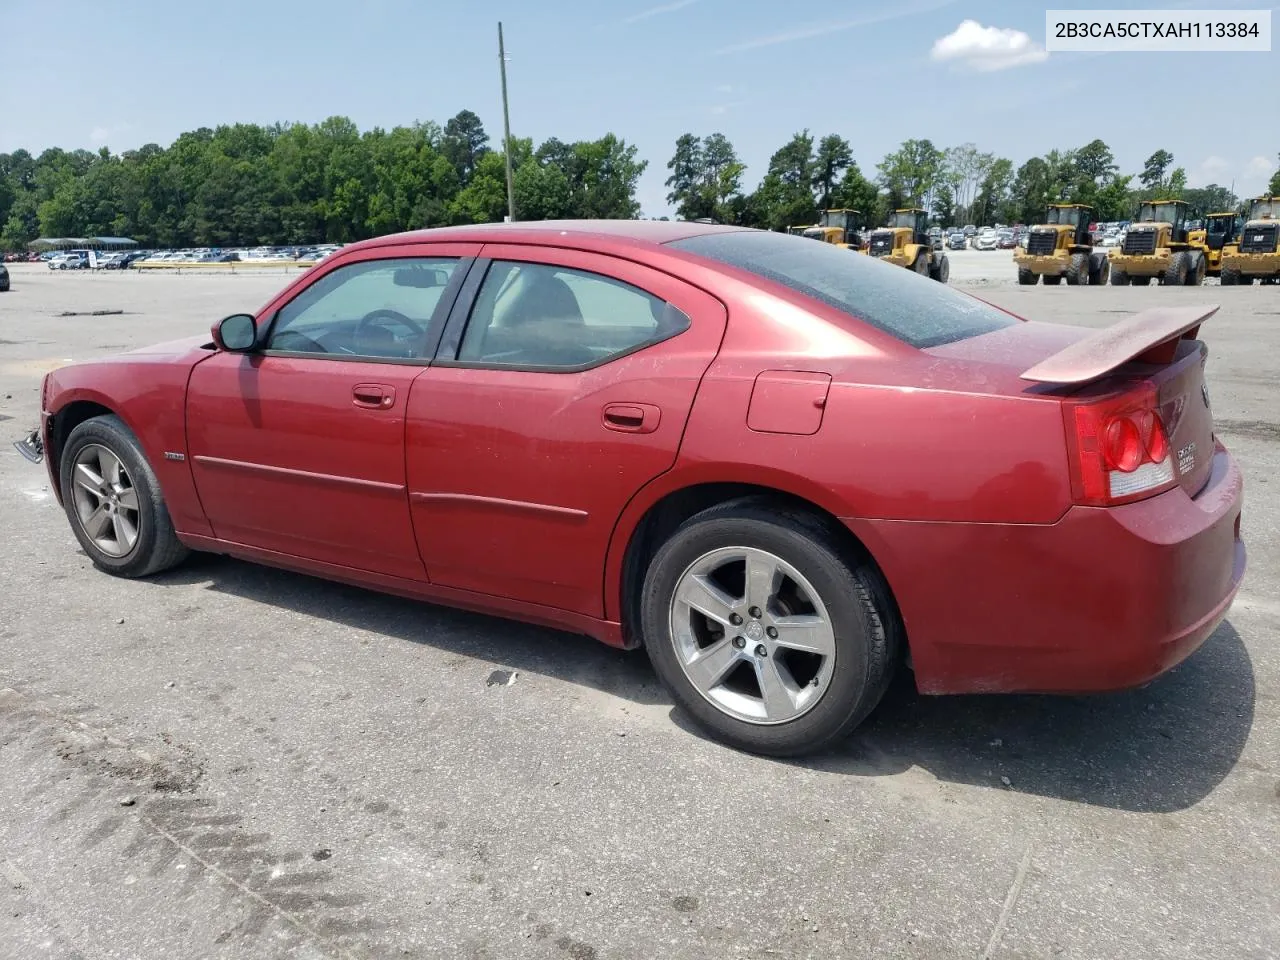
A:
[632,417]
[378,396]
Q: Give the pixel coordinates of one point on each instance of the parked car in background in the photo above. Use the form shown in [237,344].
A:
[986,240]
[957,241]
[1006,240]
[969,230]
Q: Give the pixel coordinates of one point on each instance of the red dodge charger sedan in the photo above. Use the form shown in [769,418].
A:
[783,469]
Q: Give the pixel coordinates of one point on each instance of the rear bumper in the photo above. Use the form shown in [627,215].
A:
[1104,599]
[1253,264]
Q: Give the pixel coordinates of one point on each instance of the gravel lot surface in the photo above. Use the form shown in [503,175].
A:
[229,761]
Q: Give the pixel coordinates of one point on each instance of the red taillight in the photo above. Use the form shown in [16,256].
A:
[1119,448]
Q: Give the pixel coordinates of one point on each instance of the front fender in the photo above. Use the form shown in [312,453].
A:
[150,397]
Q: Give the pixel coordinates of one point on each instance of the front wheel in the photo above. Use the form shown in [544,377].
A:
[113,501]
[1026,278]
[765,635]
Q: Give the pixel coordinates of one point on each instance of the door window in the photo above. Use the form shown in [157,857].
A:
[538,316]
[373,309]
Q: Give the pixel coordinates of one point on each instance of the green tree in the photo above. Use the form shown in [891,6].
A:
[687,178]
[856,192]
[1273,188]
[1154,169]
[833,158]
[464,143]
[910,174]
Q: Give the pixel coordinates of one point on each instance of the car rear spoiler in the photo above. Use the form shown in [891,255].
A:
[1149,337]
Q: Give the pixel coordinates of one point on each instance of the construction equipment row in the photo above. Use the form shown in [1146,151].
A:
[1157,246]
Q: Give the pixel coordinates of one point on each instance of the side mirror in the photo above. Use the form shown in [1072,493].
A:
[235,334]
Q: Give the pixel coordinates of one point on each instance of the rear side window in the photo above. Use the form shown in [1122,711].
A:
[923,313]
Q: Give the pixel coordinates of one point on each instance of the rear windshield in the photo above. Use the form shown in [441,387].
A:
[890,298]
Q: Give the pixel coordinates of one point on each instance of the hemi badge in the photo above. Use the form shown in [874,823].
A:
[172,455]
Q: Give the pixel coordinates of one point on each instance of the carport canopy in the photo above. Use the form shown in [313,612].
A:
[69,243]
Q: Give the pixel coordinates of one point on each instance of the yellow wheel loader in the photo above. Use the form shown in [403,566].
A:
[1256,255]
[1219,230]
[904,241]
[797,231]
[1062,247]
[1156,247]
[842,227]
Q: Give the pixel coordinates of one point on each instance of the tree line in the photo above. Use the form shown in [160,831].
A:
[247,184]
[956,185]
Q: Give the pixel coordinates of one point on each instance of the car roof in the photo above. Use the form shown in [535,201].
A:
[556,233]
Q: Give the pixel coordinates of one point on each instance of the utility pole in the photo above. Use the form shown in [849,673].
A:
[506,127]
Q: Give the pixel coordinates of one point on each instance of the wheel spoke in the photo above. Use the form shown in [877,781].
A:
[713,664]
[805,633]
[85,477]
[110,465]
[779,701]
[96,524]
[760,580]
[125,531]
[708,599]
[129,498]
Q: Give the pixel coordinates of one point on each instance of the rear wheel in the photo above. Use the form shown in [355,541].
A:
[921,266]
[1052,279]
[1229,277]
[113,501]
[1026,278]
[941,269]
[1175,275]
[1119,278]
[1140,281]
[1078,271]
[765,634]
[1195,275]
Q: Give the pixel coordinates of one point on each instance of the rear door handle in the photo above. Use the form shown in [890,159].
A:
[378,396]
[632,417]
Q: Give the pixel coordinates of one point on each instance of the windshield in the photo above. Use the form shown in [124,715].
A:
[1069,215]
[837,218]
[1264,208]
[1158,212]
[1221,224]
[903,218]
[919,312]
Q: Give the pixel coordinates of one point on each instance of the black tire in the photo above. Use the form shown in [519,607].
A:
[1078,271]
[1229,278]
[1175,275]
[921,266]
[1026,278]
[1195,274]
[157,546]
[1140,281]
[1246,280]
[1099,269]
[1052,279]
[862,614]
[1119,278]
[941,271]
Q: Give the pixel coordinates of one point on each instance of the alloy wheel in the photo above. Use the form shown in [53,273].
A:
[106,500]
[752,635]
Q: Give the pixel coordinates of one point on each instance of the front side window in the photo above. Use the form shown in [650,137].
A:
[920,312]
[549,317]
[377,308]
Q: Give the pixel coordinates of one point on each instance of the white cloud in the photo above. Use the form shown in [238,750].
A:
[659,10]
[987,49]
[725,88]
[1259,167]
[1212,169]
[99,135]
[810,30]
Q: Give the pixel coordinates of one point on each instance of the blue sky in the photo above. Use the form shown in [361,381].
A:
[125,74]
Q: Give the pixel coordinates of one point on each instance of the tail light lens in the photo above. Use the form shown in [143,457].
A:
[1119,449]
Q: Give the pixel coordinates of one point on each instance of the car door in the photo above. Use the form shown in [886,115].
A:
[562,386]
[298,446]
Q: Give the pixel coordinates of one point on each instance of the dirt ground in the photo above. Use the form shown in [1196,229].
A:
[229,761]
